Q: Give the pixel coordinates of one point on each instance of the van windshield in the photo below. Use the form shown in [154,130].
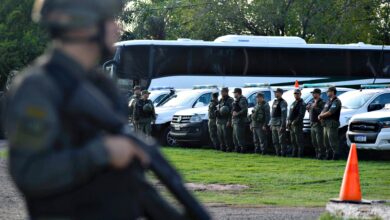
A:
[184,98]
[355,99]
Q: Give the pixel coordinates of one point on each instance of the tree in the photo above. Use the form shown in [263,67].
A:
[21,41]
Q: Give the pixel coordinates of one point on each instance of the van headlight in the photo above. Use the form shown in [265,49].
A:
[385,124]
[197,118]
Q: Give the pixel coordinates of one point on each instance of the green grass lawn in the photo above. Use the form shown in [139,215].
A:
[3,153]
[275,181]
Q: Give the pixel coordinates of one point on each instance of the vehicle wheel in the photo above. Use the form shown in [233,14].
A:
[167,139]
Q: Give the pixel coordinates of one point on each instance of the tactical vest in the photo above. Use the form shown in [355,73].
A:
[259,114]
[295,111]
[140,109]
[313,114]
[221,103]
[336,115]
[237,107]
[276,109]
[212,110]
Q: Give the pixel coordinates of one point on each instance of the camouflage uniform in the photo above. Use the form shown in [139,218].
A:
[239,124]
[212,124]
[317,130]
[57,165]
[278,125]
[296,115]
[133,101]
[331,128]
[225,131]
[259,119]
[144,119]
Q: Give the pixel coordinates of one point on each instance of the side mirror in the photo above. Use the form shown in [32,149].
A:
[109,67]
[374,107]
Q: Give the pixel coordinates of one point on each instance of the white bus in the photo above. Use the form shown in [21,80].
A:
[140,61]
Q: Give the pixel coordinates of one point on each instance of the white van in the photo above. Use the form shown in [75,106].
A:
[198,97]
[190,126]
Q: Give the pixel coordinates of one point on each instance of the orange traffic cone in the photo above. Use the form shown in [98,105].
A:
[350,188]
[296,85]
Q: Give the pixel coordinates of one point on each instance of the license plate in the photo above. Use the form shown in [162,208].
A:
[361,138]
[177,127]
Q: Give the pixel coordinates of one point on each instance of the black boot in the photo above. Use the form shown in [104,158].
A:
[237,150]
[258,150]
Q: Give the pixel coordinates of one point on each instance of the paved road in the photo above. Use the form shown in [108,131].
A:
[12,206]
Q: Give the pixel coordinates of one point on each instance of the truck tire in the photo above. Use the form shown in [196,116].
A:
[166,139]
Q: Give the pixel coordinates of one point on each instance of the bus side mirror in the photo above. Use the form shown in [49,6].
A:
[109,67]
[374,107]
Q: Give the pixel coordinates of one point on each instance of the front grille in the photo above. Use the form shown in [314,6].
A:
[181,119]
[306,123]
[364,127]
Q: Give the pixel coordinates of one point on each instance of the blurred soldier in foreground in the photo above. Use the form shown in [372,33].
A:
[144,114]
[295,124]
[259,123]
[224,123]
[133,100]
[278,123]
[317,130]
[330,116]
[213,120]
[68,171]
[239,119]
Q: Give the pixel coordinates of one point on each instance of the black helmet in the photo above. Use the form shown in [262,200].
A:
[70,14]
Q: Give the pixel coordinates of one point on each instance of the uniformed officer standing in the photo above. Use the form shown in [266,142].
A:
[259,123]
[133,100]
[330,116]
[295,124]
[224,123]
[278,123]
[317,130]
[212,124]
[63,170]
[239,120]
[144,114]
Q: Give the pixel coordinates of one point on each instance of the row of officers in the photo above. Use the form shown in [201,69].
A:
[228,123]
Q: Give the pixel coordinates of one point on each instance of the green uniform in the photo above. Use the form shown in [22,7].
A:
[278,125]
[331,128]
[259,119]
[224,131]
[134,99]
[295,122]
[52,159]
[317,130]
[212,124]
[143,119]
[240,121]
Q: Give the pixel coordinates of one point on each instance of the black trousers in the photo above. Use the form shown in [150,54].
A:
[112,195]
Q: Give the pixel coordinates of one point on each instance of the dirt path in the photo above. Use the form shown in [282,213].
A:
[12,206]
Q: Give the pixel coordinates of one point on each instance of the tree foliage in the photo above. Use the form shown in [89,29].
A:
[319,21]
[21,40]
